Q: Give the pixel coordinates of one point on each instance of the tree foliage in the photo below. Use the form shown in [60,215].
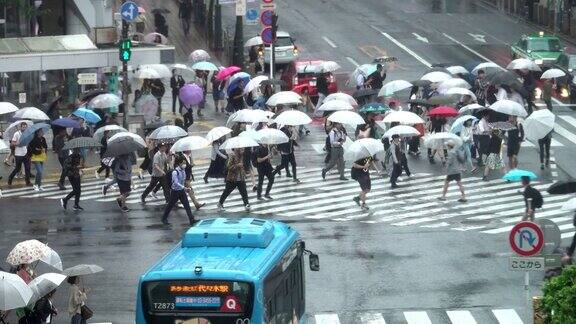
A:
[559,301]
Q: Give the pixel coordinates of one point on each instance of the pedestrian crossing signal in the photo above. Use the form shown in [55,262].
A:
[125,50]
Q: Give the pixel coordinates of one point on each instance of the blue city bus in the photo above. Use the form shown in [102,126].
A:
[238,271]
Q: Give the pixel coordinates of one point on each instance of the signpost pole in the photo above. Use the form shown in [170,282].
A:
[125,85]
[528,297]
[272,61]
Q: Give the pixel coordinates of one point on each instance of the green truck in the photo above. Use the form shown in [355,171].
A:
[541,48]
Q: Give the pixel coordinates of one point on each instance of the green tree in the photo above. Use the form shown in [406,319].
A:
[559,301]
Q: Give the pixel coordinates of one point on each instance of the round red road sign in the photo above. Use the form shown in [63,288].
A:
[266,18]
[267,1]
[526,238]
[267,36]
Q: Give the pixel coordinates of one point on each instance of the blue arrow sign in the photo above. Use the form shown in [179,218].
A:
[129,11]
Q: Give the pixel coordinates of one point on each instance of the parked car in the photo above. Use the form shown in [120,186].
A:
[284,48]
[304,72]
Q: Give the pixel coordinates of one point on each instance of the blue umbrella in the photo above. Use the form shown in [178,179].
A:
[234,84]
[204,66]
[28,134]
[66,122]
[87,114]
[517,174]
[458,123]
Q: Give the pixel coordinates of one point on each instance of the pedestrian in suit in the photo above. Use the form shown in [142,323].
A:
[176,82]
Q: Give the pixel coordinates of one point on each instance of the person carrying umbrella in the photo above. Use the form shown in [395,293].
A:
[287,154]
[544,150]
[37,148]
[361,173]
[122,168]
[322,88]
[72,170]
[235,178]
[159,167]
[76,299]
[21,156]
[481,137]
[532,199]
[570,250]
[480,87]
[185,14]
[466,136]
[59,142]
[337,140]
[176,82]
[376,79]
[515,138]
[263,157]
[396,155]
[218,157]
[178,191]
[44,309]
[494,159]
[103,166]
[236,98]
[218,93]
[453,166]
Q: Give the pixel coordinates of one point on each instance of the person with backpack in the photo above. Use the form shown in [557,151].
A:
[456,158]
[261,159]
[532,199]
[179,191]
[72,170]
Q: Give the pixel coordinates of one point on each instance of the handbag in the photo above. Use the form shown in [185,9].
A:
[86,312]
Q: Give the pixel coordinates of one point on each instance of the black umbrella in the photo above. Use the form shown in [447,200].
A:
[121,146]
[154,125]
[441,100]
[81,142]
[420,83]
[364,93]
[419,102]
[87,96]
[562,187]
[273,82]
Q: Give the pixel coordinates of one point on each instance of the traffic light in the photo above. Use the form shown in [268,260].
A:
[274,25]
[125,50]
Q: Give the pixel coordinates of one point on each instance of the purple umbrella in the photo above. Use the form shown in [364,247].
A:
[191,94]
[66,122]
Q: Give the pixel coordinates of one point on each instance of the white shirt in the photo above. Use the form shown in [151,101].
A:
[502,94]
[360,80]
[515,96]
[19,150]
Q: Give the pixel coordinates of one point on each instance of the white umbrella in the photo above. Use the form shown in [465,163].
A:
[7,108]
[137,138]
[248,116]
[441,138]
[14,127]
[162,69]
[31,113]
[3,146]
[250,133]
[329,66]
[539,124]
[403,117]
[152,38]
[189,143]
[292,118]
[342,96]
[523,64]
[347,117]
[15,292]
[470,107]
[82,270]
[459,123]
[570,205]
[453,83]
[284,98]
[402,131]
[181,66]
[552,73]
[436,76]
[394,86]
[147,73]
[238,142]
[271,136]
[364,147]
[457,69]
[108,128]
[53,259]
[335,105]
[217,133]
[106,100]
[254,41]
[509,107]
[168,132]
[44,284]
[199,55]
[461,92]
[254,83]
[485,66]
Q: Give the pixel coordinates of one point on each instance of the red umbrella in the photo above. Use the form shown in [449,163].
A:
[443,111]
[300,88]
[227,72]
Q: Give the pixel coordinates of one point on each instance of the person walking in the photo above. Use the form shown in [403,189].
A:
[544,150]
[466,134]
[361,173]
[103,165]
[481,137]
[453,166]
[322,89]
[532,199]
[76,299]
[235,178]
[287,153]
[157,90]
[494,159]
[59,141]
[547,89]
[403,158]
[480,87]
[159,167]
[218,157]
[37,148]
[44,308]
[218,93]
[515,138]
[74,173]
[376,79]
[236,99]
[178,191]
[185,15]
[337,140]
[396,155]
[176,82]
[263,157]
[20,156]
[187,155]
[122,168]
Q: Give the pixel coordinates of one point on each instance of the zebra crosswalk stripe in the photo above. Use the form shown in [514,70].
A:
[508,316]
[327,319]
[417,318]
[461,317]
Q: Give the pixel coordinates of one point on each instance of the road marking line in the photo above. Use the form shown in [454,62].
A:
[331,43]
[372,318]
[461,317]
[565,133]
[567,235]
[469,49]
[507,316]
[417,318]
[351,60]
[327,319]
[402,46]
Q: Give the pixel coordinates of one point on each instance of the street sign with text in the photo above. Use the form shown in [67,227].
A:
[526,239]
[268,6]
[526,264]
[240,7]
[129,11]
[87,78]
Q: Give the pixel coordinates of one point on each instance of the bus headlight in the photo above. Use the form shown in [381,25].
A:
[564,93]
[198,270]
[538,93]
[539,61]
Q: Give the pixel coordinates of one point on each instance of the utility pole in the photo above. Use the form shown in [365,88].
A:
[272,52]
[128,12]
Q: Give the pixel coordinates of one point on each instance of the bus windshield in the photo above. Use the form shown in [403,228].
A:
[197,301]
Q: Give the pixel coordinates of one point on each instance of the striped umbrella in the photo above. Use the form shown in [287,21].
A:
[81,142]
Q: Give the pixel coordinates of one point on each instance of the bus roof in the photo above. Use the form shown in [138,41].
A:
[225,248]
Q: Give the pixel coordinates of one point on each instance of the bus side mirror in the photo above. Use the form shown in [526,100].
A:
[314,262]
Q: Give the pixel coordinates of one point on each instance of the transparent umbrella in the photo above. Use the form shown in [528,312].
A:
[342,96]
[147,105]
[15,292]
[168,132]
[7,108]
[217,133]
[31,113]
[104,101]
[44,284]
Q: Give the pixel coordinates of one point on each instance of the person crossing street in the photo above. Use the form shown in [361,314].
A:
[337,140]
[264,167]
[178,192]
[159,168]
[456,158]
[235,178]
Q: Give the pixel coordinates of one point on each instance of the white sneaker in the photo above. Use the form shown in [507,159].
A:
[154,195]
[108,179]
[220,208]
[35,187]
[96,175]
[140,176]
[41,188]
[247,207]
[0,193]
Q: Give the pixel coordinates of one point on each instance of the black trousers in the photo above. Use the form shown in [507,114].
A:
[188,118]
[104,167]
[20,160]
[268,173]
[396,172]
[175,196]
[414,144]
[154,181]
[287,159]
[62,161]
[544,145]
[548,103]
[174,99]
[230,186]
[76,190]
[404,164]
